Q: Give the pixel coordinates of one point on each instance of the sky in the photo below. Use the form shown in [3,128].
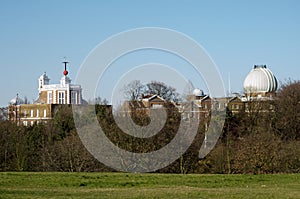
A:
[35,36]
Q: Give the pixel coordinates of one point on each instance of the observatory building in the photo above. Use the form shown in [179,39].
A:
[260,87]
[260,83]
[50,97]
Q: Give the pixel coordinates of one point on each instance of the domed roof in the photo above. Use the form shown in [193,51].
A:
[260,79]
[44,76]
[198,92]
[16,101]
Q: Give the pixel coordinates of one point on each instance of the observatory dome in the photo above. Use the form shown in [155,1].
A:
[198,92]
[16,101]
[260,80]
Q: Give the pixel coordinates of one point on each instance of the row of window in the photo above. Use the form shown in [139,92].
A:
[236,106]
[62,98]
[37,113]
[233,106]
[25,123]
[219,105]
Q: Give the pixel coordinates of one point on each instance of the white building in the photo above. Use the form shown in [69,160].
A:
[50,96]
[63,93]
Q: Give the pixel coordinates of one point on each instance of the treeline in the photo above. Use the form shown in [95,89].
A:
[259,141]
[51,146]
[253,141]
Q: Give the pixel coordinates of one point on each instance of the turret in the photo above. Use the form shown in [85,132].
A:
[43,80]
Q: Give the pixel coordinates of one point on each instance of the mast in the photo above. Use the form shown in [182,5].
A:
[65,64]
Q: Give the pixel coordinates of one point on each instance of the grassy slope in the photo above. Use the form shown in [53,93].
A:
[125,185]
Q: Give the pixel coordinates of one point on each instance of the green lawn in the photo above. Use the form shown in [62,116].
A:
[127,185]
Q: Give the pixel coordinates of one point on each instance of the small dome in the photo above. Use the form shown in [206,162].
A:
[16,101]
[198,92]
[44,76]
[260,79]
[65,80]
[43,80]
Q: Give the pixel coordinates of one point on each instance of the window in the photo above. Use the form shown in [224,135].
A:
[61,97]
[31,113]
[49,97]
[25,123]
[37,113]
[45,113]
[25,113]
[157,106]
[74,97]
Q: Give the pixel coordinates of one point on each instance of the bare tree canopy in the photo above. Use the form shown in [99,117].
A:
[288,110]
[161,89]
[135,89]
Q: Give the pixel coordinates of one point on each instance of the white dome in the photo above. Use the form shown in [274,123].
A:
[260,79]
[44,79]
[198,92]
[16,101]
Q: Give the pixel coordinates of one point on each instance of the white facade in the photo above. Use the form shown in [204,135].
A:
[63,93]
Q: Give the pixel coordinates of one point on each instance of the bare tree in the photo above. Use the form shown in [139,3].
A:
[101,101]
[133,90]
[159,88]
[288,110]
[3,113]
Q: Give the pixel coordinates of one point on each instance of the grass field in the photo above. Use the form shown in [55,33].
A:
[126,185]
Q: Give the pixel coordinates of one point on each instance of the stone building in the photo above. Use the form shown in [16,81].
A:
[142,105]
[260,86]
[197,105]
[50,96]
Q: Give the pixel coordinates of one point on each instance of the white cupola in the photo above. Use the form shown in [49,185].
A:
[65,80]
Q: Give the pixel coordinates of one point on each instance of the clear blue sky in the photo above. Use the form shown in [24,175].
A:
[36,35]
